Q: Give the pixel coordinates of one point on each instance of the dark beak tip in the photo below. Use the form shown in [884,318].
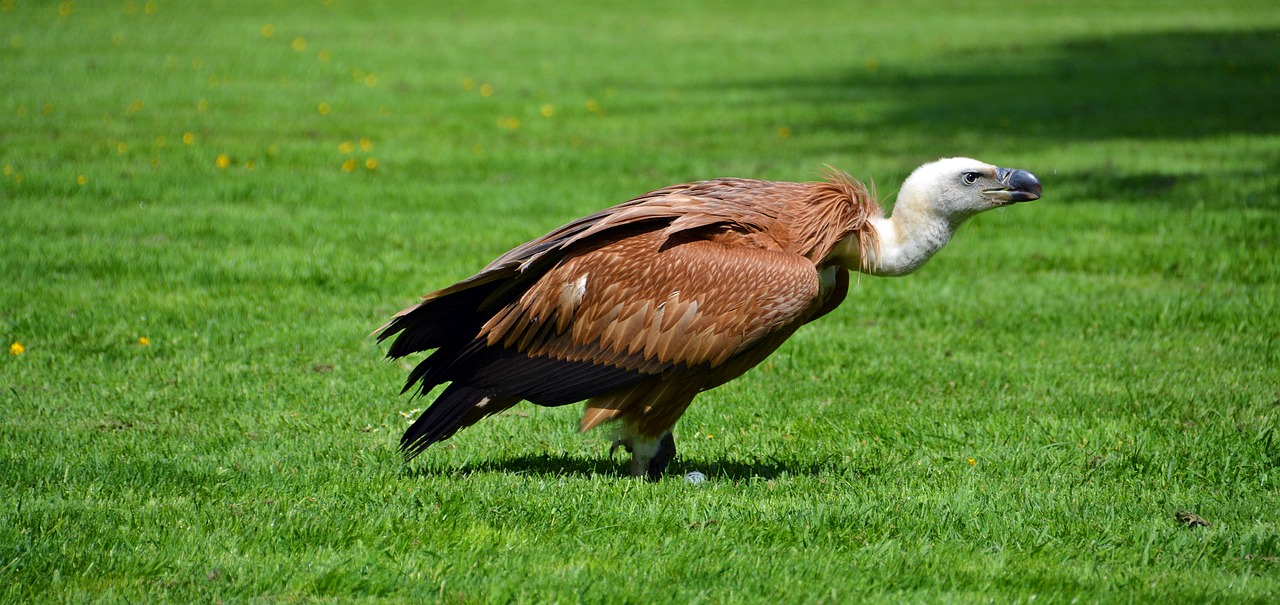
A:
[1024,185]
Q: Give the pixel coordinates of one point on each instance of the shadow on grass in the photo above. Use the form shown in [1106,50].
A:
[1170,85]
[559,465]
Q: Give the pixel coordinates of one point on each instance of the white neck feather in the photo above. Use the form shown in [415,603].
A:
[906,238]
[907,242]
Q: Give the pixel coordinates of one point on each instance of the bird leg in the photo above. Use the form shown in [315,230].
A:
[665,454]
[649,456]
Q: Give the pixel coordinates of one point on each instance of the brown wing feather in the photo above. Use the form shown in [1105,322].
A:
[646,307]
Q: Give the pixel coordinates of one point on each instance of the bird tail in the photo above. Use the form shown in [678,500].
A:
[458,407]
[439,320]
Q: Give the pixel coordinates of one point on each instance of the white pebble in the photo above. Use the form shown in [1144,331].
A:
[695,477]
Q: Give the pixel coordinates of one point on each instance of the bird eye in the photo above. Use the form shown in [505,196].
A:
[970,178]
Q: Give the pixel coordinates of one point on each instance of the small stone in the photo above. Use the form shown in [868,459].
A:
[1191,519]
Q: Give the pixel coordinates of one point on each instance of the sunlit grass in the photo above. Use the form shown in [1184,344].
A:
[207,207]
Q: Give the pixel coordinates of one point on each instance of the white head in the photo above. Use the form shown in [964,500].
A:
[957,188]
[932,203]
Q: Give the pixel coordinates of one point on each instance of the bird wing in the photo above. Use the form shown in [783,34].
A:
[644,305]
[450,313]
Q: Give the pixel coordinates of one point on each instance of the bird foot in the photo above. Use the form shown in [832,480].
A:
[620,443]
[666,453]
[649,457]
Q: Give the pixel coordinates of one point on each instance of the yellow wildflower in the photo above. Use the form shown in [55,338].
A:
[188,138]
[486,90]
[299,44]
[223,162]
[371,80]
[349,165]
[971,461]
[371,164]
[144,341]
[150,8]
[346,147]
[324,109]
[268,30]
[82,180]
[66,8]
[366,145]
[548,110]
[121,147]
[592,105]
[784,132]
[17,349]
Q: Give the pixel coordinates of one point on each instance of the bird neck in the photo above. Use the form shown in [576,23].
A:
[905,245]
[905,240]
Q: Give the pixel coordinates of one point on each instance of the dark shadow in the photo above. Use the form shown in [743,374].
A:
[545,465]
[552,465]
[1180,85]
[559,465]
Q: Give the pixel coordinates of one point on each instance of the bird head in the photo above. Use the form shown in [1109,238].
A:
[958,188]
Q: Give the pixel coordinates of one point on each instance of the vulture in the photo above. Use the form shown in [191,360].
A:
[638,308]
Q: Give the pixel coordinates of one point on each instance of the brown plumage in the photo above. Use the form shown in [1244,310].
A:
[639,307]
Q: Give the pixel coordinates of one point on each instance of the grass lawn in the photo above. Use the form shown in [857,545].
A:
[207,206]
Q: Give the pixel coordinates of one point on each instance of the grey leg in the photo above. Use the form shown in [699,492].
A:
[649,456]
[666,452]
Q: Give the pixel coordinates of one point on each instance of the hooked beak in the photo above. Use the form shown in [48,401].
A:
[1018,186]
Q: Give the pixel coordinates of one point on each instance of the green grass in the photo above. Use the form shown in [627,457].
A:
[1020,419]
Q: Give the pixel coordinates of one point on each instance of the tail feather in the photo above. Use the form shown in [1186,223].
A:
[450,316]
[433,324]
[485,381]
[458,407]
[545,381]
[431,371]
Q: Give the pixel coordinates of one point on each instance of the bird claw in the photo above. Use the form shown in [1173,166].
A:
[649,459]
[666,452]
[620,443]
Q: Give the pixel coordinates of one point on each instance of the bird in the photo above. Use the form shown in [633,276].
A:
[638,308]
